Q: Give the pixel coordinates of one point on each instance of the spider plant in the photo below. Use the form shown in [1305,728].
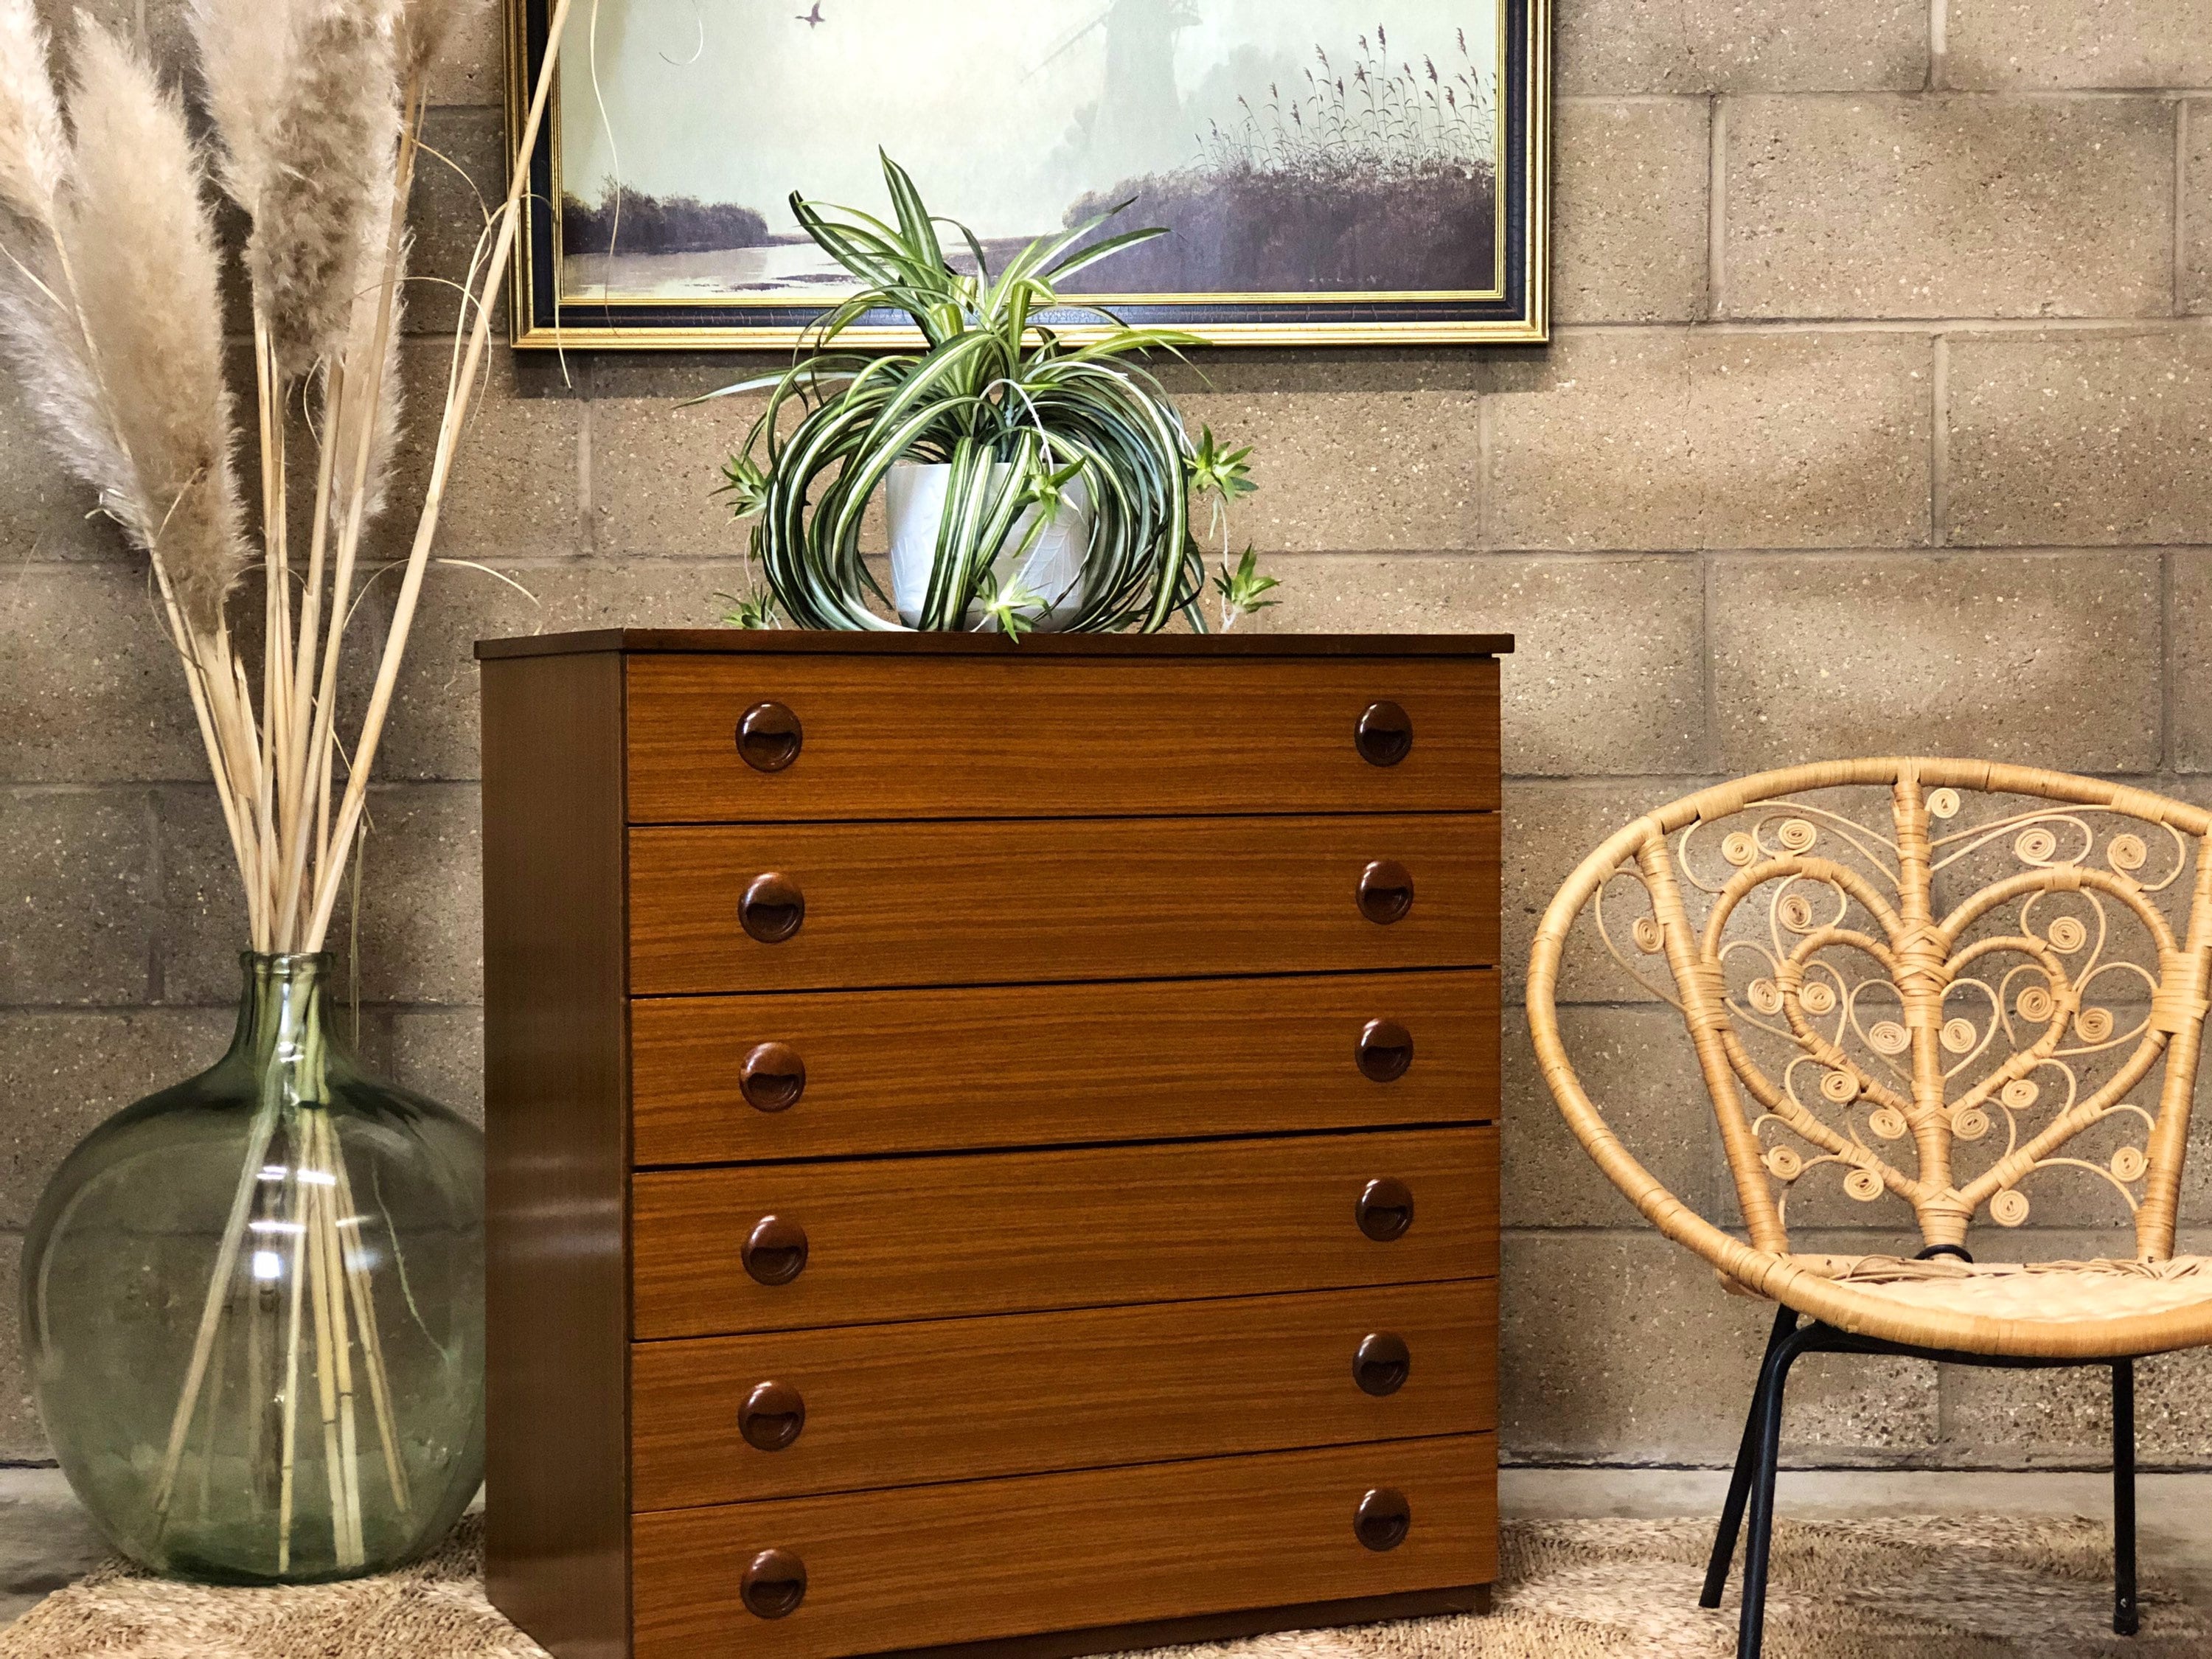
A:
[1018,412]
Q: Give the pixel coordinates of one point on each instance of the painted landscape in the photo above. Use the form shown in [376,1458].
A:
[1289,147]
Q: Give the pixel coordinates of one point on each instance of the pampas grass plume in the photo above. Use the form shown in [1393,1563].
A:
[423,26]
[244,54]
[49,359]
[34,149]
[141,246]
[332,141]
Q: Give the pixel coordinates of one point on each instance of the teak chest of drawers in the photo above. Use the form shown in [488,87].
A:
[991,1146]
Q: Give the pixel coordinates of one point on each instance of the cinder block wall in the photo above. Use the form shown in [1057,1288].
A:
[1879,417]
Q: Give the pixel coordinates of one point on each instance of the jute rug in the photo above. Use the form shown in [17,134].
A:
[1974,1587]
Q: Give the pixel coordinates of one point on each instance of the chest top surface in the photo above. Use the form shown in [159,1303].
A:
[731,641]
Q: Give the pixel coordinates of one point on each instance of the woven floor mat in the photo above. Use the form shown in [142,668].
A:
[1965,1587]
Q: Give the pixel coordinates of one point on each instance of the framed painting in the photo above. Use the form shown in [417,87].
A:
[1328,171]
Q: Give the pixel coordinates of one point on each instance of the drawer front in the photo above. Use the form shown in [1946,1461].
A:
[929,1565]
[1124,898]
[725,1080]
[1041,738]
[734,1418]
[1010,1232]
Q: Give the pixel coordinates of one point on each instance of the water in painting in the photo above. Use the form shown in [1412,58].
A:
[1288,146]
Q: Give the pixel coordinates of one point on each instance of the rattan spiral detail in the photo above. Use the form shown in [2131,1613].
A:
[1856,1023]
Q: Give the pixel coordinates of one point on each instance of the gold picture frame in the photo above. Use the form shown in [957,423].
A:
[1514,309]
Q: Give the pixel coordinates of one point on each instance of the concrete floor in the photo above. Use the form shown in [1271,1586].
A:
[45,1540]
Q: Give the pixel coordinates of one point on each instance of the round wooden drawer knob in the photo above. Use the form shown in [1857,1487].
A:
[774,1252]
[1380,1365]
[769,737]
[774,1583]
[1382,1519]
[773,1413]
[1385,1209]
[773,908]
[773,1077]
[1386,1049]
[1386,890]
[1384,735]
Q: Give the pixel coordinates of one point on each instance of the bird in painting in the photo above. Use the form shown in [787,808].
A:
[814,19]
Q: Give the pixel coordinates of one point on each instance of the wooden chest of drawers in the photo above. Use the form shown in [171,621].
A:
[990,1146]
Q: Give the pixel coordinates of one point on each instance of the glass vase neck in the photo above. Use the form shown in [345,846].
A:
[280,1015]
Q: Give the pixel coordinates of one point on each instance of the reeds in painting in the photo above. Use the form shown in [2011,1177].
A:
[1369,172]
[111,276]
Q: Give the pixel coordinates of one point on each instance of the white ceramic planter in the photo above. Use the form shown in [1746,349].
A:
[914,499]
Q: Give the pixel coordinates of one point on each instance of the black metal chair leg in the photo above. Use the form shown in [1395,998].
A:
[2125,1617]
[1751,1629]
[1746,1459]
[1751,1489]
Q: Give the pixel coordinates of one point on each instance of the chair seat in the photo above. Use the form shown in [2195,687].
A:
[2034,1292]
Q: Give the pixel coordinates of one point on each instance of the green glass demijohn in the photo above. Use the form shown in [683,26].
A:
[253,1308]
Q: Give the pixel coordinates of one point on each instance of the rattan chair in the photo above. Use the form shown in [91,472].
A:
[1956,985]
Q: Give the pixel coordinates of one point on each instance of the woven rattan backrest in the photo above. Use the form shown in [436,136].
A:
[1936,981]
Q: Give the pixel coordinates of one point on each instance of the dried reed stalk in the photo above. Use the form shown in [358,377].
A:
[109,292]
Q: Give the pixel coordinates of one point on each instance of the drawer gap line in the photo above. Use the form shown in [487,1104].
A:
[904,1154]
[1121,979]
[1383,810]
[1391,1440]
[772,1332]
